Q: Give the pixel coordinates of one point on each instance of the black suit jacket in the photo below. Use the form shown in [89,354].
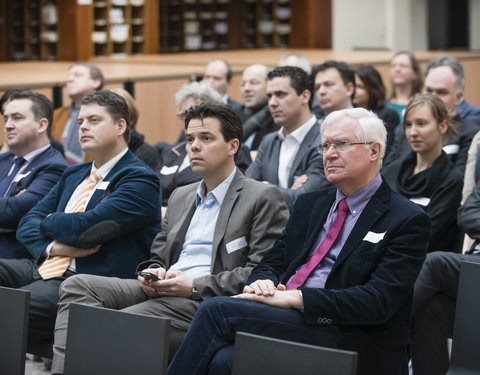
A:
[369,290]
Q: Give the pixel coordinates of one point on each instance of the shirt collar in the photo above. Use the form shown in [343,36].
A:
[300,133]
[32,155]
[358,201]
[105,169]
[218,193]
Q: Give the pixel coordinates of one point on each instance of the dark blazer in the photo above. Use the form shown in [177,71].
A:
[370,287]
[252,215]
[261,123]
[468,216]
[39,177]
[129,195]
[469,112]
[307,161]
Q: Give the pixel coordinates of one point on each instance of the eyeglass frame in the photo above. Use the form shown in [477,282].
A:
[324,149]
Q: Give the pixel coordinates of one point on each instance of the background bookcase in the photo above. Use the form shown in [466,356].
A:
[81,29]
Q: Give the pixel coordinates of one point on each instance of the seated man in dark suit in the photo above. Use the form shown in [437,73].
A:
[100,218]
[342,273]
[215,231]
[31,167]
[288,158]
[435,296]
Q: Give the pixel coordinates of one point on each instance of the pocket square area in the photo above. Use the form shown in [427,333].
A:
[374,237]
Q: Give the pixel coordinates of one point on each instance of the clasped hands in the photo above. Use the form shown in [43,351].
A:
[264,291]
[172,283]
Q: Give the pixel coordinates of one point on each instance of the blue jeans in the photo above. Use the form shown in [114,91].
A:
[207,347]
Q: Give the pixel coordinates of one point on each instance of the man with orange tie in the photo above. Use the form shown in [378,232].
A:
[342,273]
[99,219]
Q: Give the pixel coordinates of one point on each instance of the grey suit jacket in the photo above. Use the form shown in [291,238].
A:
[307,161]
[252,212]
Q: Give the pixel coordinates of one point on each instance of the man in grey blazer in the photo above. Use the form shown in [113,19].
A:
[288,158]
[214,233]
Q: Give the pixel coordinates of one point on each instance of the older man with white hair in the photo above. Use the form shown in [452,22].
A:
[342,273]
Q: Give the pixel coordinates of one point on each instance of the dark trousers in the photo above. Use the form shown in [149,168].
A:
[434,303]
[23,274]
[208,345]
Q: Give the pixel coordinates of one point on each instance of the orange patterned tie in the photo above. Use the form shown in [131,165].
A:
[55,266]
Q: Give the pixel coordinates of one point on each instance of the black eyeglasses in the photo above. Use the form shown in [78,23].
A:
[339,146]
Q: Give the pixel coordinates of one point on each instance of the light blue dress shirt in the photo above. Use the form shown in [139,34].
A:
[195,259]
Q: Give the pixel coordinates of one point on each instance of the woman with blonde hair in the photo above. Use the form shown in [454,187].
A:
[426,176]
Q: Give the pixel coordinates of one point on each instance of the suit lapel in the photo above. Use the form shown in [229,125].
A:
[304,148]
[225,211]
[372,212]
[272,170]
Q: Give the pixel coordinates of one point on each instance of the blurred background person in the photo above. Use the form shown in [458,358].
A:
[427,176]
[370,94]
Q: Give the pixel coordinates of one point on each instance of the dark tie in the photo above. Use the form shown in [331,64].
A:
[304,272]
[5,183]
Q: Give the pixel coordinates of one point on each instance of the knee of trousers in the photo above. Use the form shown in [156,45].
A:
[74,285]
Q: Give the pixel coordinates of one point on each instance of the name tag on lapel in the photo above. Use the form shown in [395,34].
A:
[374,237]
[421,201]
[168,170]
[103,185]
[23,175]
[451,149]
[237,244]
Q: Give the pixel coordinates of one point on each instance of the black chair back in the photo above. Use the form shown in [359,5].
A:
[466,332]
[259,355]
[14,310]
[104,341]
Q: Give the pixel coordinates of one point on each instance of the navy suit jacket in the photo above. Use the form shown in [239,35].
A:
[307,161]
[39,177]
[131,199]
[469,112]
[369,289]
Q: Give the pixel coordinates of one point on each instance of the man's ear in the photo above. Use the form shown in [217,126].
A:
[458,97]
[233,146]
[350,88]
[122,126]
[306,94]
[43,125]
[375,151]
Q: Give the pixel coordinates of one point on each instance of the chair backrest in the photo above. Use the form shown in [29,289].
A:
[259,355]
[466,331]
[104,341]
[14,310]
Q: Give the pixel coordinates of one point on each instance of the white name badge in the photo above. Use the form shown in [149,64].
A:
[237,244]
[168,170]
[103,185]
[451,149]
[421,201]
[374,237]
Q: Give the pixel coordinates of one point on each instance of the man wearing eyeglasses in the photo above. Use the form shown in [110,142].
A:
[342,273]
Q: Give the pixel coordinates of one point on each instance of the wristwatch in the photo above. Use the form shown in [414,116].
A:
[195,294]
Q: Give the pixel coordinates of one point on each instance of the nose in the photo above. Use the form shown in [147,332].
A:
[9,124]
[83,125]
[412,130]
[331,152]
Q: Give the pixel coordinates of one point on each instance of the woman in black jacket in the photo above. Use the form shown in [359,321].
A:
[426,176]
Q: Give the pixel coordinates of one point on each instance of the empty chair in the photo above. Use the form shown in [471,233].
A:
[259,355]
[104,341]
[14,309]
[466,332]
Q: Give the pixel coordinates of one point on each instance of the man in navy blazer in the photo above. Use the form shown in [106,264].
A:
[114,231]
[28,116]
[288,158]
[359,296]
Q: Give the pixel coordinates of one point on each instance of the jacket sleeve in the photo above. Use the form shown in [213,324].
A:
[132,203]
[13,208]
[469,214]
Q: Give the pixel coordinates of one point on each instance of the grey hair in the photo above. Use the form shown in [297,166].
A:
[371,129]
[199,91]
[302,61]
[451,62]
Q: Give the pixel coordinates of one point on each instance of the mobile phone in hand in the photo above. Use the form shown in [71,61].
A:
[148,276]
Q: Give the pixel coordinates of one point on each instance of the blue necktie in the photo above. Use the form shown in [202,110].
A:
[5,183]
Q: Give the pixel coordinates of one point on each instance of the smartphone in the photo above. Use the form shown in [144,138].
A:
[148,276]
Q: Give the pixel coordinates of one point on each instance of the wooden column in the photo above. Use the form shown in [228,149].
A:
[311,22]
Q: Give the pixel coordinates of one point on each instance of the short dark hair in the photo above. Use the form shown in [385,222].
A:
[95,72]
[230,124]
[114,104]
[373,83]
[347,74]
[42,107]
[299,79]
[7,95]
